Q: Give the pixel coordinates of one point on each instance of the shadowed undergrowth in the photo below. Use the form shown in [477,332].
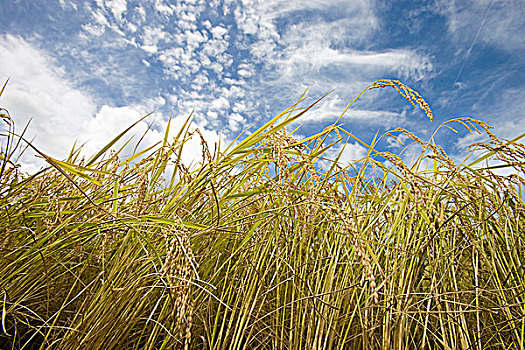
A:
[266,244]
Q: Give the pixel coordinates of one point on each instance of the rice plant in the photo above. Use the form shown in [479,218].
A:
[268,243]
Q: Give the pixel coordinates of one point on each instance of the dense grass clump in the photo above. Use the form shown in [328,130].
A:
[266,244]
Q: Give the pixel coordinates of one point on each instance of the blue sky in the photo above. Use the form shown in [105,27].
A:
[85,70]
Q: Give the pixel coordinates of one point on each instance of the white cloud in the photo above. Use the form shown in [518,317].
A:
[141,13]
[117,7]
[220,103]
[350,153]
[404,62]
[99,18]
[465,141]
[201,79]
[164,8]
[61,113]
[214,48]
[244,73]
[98,27]
[230,81]
[332,44]
[65,3]
[258,18]
[36,90]
[216,67]
[398,142]
[330,109]
[207,24]
[107,123]
[345,5]
[194,38]
[219,32]
[212,115]
[239,107]
[235,120]
[233,91]
[151,38]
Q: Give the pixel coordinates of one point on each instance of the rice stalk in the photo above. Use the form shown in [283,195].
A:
[266,244]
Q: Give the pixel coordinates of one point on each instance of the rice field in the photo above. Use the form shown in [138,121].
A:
[267,243]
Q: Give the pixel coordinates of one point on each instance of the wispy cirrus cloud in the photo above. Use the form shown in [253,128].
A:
[495,22]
